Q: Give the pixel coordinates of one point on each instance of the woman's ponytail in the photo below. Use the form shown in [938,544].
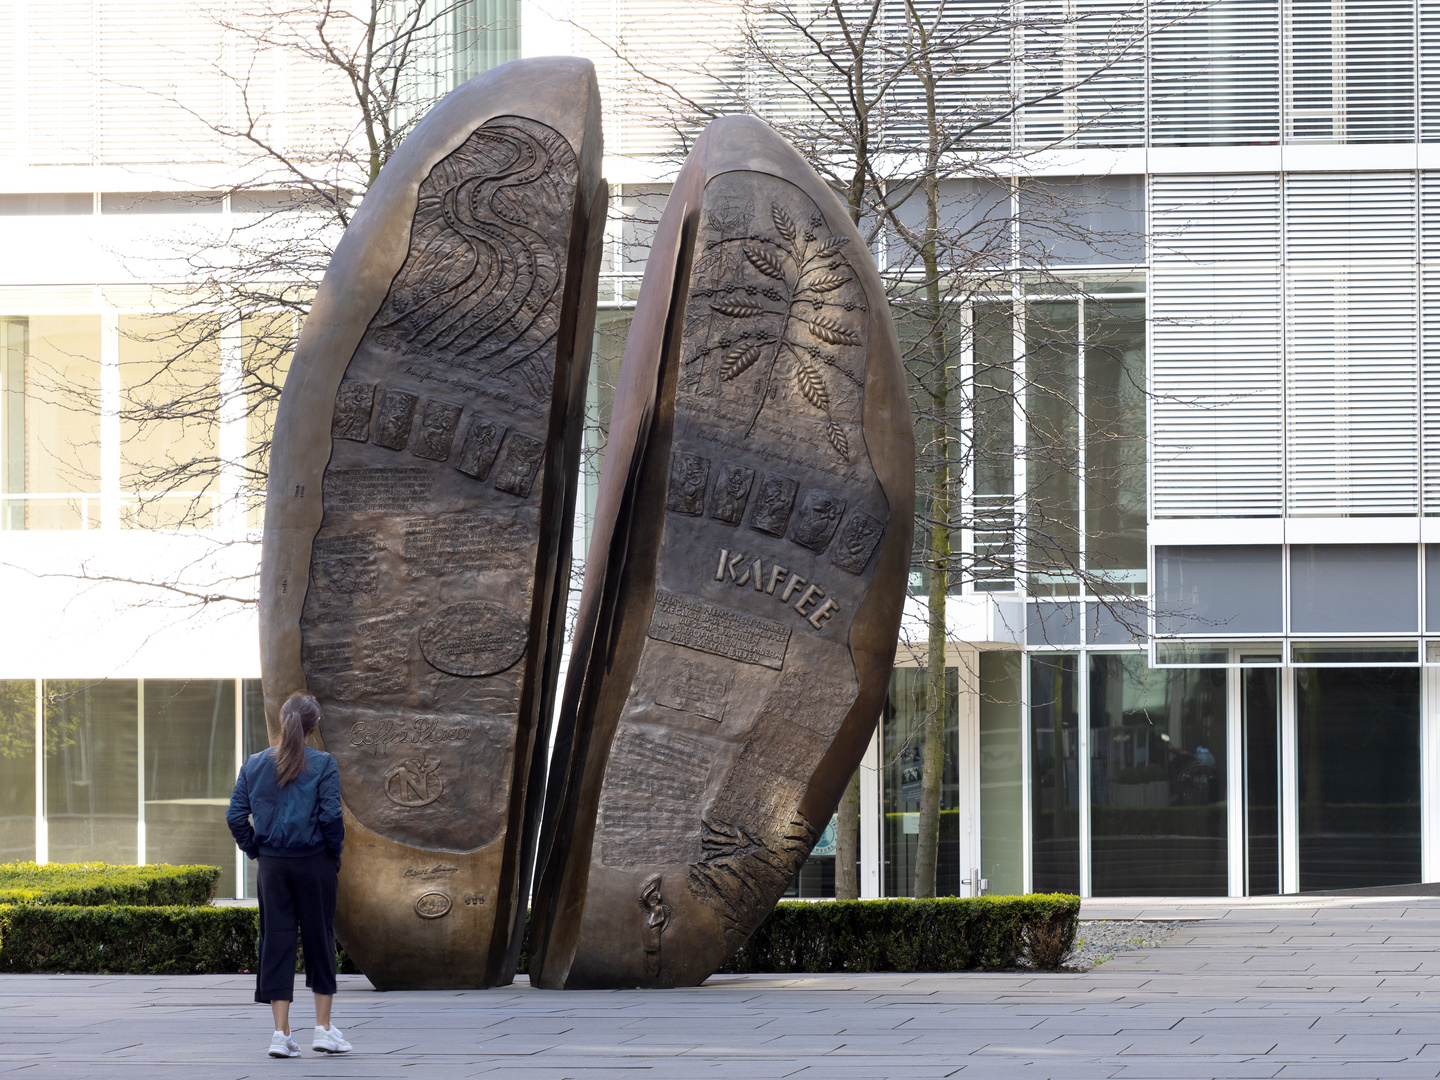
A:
[298,717]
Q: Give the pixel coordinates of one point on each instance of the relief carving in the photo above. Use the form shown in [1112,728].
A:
[380,490]
[392,424]
[773,503]
[437,430]
[742,874]
[732,489]
[699,624]
[657,917]
[858,540]
[689,473]
[520,464]
[474,638]
[477,452]
[415,782]
[816,520]
[652,788]
[432,905]
[354,402]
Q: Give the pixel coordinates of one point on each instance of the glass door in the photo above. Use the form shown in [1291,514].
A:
[1260,725]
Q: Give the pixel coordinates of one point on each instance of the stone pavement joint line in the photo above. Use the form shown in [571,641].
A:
[1290,987]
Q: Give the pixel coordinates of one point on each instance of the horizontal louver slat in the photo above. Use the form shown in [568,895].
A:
[1215,72]
[1216,332]
[1350,71]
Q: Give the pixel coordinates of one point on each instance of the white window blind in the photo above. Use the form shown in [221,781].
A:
[1430,337]
[1216,332]
[1350,70]
[1351,348]
[1429,70]
[1215,72]
[60,97]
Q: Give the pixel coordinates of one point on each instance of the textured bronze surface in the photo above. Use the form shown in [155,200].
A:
[417,534]
[732,651]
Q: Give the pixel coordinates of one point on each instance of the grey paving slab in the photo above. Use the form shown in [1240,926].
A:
[1320,987]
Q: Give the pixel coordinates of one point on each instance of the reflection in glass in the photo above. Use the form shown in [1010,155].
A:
[1157,779]
[1054,773]
[1358,731]
[1260,704]
[17,770]
[1001,773]
[189,774]
[91,770]
[994,448]
[1115,505]
[902,751]
[1052,471]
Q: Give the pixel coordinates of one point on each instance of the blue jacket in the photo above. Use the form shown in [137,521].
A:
[302,818]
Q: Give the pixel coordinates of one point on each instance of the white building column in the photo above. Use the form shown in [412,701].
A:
[870,819]
[110,405]
[42,825]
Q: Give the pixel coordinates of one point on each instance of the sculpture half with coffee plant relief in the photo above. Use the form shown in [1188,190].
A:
[733,649]
[418,522]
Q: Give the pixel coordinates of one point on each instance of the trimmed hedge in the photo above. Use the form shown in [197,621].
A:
[95,884]
[128,940]
[987,933]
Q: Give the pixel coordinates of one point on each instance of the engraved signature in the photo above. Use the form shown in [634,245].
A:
[438,870]
[378,737]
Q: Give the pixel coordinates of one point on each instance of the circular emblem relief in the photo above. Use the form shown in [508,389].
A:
[474,638]
[432,905]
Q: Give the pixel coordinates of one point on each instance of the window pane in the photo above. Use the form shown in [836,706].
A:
[902,752]
[169,377]
[91,774]
[1001,791]
[1157,779]
[49,420]
[1054,774]
[17,770]
[994,449]
[1052,453]
[1115,443]
[1359,749]
[267,345]
[1353,588]
[1219,590]
[1260,700]
[189,774]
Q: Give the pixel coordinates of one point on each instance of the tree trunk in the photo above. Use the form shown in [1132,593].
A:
[847,842]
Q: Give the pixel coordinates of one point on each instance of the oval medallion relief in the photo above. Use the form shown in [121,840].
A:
[474,638]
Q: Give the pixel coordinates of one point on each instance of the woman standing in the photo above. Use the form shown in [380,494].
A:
[293,793]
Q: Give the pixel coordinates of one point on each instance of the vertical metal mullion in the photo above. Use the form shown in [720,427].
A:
[1430,774]
[1236,803]
[870,832]
[1082,723]
[1289,786]
[1081,502]
[140,771]
[1027,842]
[42,823]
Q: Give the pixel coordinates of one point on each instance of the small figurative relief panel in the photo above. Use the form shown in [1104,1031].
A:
[417,619]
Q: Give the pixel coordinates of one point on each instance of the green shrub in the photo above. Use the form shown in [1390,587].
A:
[128,940]
[93,884]
[950,934]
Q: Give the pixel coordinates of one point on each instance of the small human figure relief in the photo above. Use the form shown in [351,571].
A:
[771,512]
[477,452]
[816,520]
[657,917]
[415,782]
[474,638]
[437,430]
[858,539]
[689,474]
[732,489]
[354,402]
[519,465]
[392,425]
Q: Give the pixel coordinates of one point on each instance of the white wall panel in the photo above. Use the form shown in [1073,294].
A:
[1430,337]
[1352,350]
[1216,333]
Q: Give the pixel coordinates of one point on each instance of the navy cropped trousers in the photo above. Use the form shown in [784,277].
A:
[296,895]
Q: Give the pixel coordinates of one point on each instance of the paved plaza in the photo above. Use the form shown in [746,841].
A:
[1297,987]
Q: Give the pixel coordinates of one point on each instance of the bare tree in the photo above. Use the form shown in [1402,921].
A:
[926,116]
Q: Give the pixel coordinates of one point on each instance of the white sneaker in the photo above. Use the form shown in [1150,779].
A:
[330,1041]
[282,1045]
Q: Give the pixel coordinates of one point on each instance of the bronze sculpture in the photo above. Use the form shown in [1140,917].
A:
[744,585]
[417,539]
